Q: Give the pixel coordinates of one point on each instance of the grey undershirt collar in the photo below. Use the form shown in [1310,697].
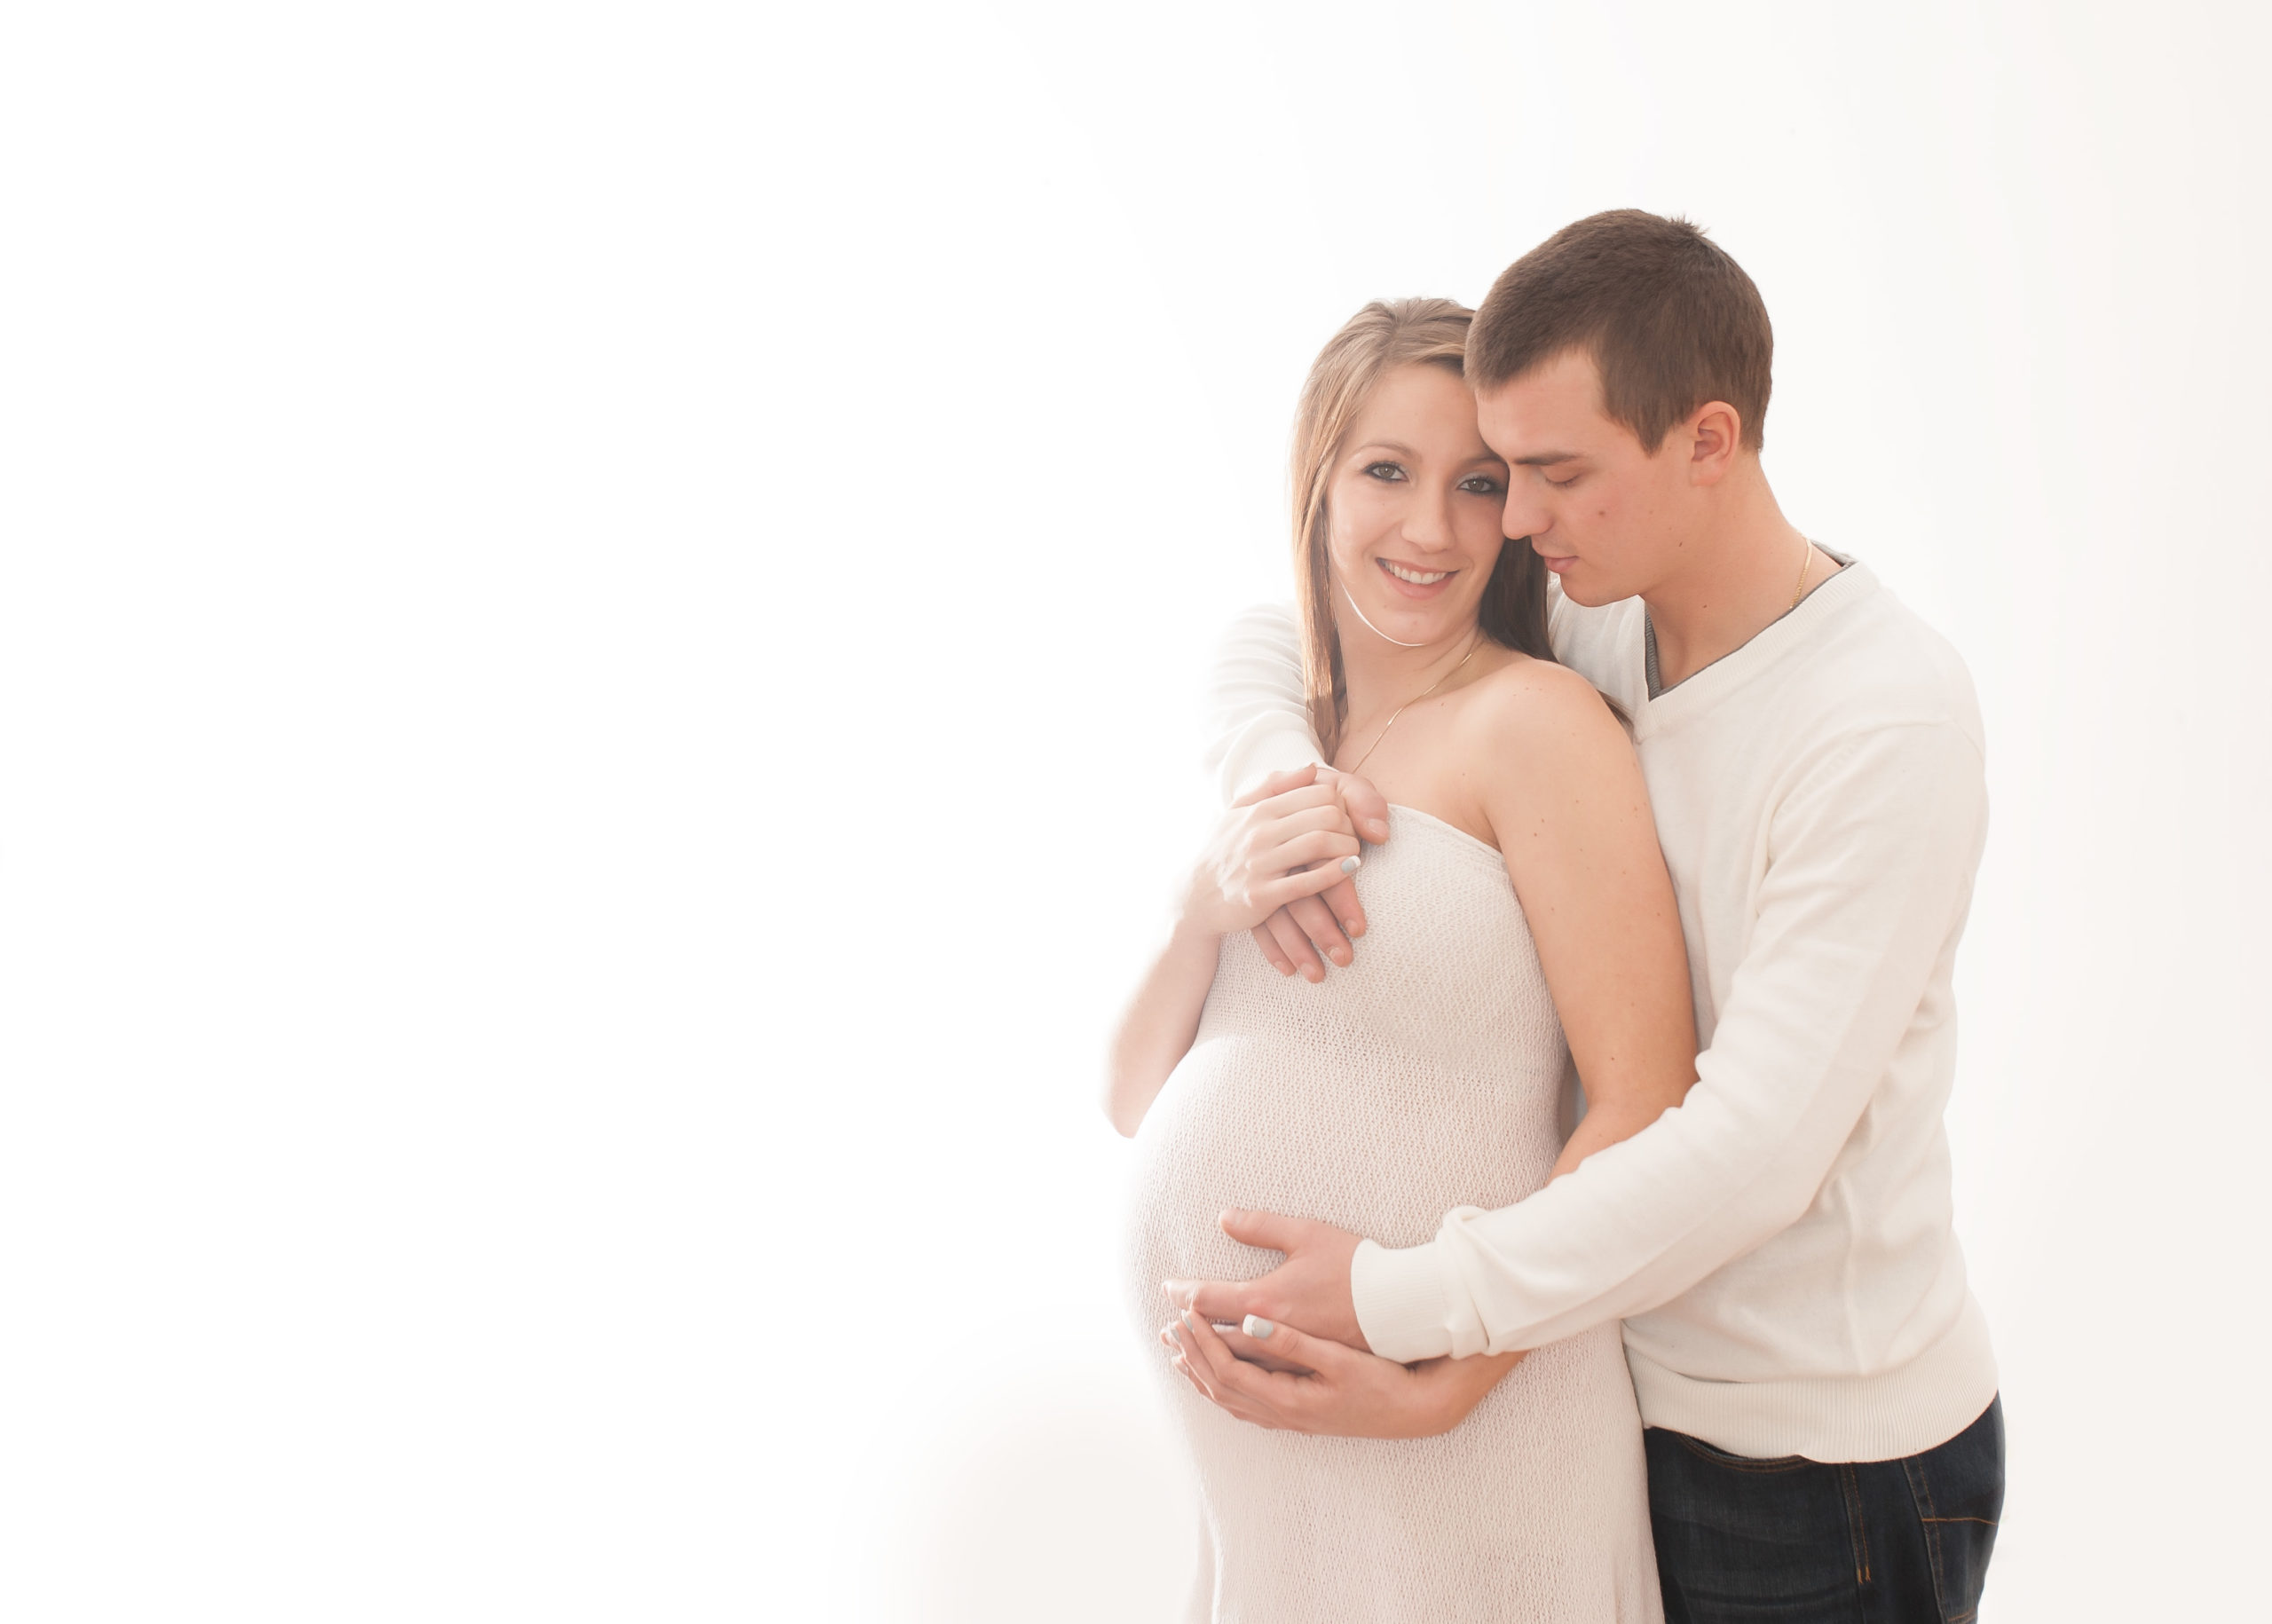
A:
[1657,689]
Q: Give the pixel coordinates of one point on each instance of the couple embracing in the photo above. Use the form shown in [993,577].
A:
[1602,1139]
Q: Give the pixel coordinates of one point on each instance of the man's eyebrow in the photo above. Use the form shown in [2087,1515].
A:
[1545,459]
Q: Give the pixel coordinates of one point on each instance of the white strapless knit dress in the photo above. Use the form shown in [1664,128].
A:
[1427,1077]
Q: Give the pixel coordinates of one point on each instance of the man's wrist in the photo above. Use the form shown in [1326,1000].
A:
[1403,1300]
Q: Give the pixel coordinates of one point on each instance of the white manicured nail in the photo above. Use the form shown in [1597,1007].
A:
[1257,1327]
[1350,865]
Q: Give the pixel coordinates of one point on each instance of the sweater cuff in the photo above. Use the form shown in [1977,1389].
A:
[1272,744]
[1402,1306]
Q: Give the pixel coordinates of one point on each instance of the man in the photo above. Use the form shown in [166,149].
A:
[1824,1439]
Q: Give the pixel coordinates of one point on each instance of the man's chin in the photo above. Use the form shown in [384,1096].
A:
[1589,595]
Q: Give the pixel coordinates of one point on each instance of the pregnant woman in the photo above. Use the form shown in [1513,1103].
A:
[1518,917]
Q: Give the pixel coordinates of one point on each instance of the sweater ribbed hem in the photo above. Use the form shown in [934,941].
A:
[1883,1417]
[1402,1303]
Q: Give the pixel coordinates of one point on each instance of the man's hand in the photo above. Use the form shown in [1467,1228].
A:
[1311,1287]
[1300,937]
[1274,1376]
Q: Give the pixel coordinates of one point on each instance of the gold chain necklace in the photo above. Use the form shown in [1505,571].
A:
[1806,563]
[1408,703]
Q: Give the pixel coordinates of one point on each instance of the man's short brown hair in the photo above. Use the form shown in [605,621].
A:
[1670,320]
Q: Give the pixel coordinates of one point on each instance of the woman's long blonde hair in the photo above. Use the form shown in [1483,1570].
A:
[1386,334]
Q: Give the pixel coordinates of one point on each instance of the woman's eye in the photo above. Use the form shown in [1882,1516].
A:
[1483,485]
[1384,471]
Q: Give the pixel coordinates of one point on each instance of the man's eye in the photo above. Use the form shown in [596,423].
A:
[1385,470]
[1558,484]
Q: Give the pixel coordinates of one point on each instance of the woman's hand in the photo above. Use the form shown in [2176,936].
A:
[1310,930]
[1289,839]
[1309,1384]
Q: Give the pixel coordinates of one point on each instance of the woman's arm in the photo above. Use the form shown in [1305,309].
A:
[1162,1018]
[1288,839]
[1562,790]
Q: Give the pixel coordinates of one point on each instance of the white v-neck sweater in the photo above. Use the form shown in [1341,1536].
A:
[1779,1246]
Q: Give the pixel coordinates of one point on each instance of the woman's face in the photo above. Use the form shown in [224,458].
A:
[1414,505]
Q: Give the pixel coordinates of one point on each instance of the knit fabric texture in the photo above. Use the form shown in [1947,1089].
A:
[1426,1075]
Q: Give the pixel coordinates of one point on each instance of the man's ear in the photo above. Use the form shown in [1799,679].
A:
[1715,435]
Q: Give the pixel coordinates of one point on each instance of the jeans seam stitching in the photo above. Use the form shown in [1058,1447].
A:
[1921,1496]
[1857,1529]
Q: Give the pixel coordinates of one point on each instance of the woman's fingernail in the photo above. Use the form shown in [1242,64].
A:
[1350,865]
[1380,830]
[1351,926]
[1257,1327]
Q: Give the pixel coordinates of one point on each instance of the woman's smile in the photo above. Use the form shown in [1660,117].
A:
[1411,581]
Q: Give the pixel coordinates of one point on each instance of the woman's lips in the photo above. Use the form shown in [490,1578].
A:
[1423,587]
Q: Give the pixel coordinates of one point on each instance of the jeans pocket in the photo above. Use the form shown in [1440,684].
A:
[1959,1491]
[1959,1549]
[1697,1447]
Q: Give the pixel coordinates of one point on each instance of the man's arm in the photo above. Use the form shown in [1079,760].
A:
[1260,713]
[1256,710]
[1870,871]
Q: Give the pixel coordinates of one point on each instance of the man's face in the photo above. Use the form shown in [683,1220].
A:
[1606,516]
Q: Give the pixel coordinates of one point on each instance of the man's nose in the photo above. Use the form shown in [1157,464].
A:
[1526,516]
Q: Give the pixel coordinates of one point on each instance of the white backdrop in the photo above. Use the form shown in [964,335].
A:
[601,612]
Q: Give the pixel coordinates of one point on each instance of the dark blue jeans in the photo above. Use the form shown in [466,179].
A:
[1796,1541]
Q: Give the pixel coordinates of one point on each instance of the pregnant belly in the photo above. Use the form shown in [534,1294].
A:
[1378,1143]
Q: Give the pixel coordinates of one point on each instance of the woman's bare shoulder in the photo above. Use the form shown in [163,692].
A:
[1541,744]
[1537,704]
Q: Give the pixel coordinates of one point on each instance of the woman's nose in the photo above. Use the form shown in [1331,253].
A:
[1428,521]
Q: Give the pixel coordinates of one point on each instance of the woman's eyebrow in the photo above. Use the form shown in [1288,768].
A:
[1403,450]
